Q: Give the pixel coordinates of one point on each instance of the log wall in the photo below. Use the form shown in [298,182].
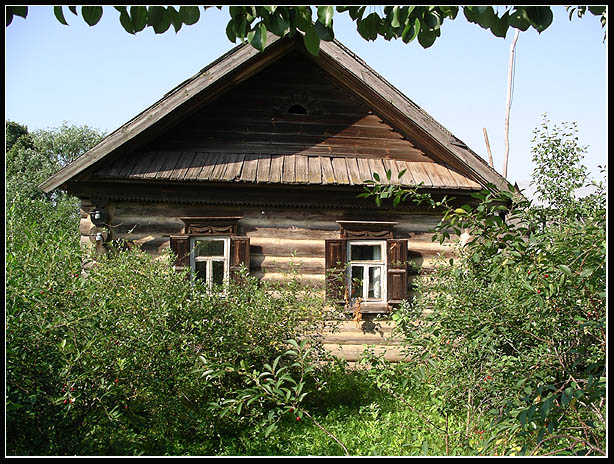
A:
[281,239]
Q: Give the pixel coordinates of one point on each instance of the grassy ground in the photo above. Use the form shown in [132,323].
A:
[367,421]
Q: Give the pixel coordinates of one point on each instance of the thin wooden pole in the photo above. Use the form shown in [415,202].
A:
[490,161]
[509,103]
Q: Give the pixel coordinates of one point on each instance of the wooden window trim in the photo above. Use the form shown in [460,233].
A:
[237,250]
[367,230]
[367,304]
[225,258]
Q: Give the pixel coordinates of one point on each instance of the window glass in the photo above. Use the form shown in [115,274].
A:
[201,270]
[356,284]
[366,253]
[209,248]
[375,282]
[217,272]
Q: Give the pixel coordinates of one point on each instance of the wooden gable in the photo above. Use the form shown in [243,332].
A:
[290,123]
[283,117]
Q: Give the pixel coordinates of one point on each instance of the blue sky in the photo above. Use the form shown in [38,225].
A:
[102,76]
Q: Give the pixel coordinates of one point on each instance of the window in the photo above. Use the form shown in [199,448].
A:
[209,259]
[372,269]
[367,270]
[210,248]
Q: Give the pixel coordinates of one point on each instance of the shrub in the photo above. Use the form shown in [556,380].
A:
[514,327]
[104,363]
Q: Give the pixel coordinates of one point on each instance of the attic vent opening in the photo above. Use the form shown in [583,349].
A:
[297,109]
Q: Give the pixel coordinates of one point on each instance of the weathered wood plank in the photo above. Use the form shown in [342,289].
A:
[364,169]
[340,171]
[289,170]
[279,264]
[234,63]
[315,170]
[285,247]
[264,167]
[420,174]
[377,166]
[207,170]
[328,173]
[170,160]
[353,171]
[250,168]
[302,169]
[184,162]
[199,160]
[440,175]
[235,164]
[276,169]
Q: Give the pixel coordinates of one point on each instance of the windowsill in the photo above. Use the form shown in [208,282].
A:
[372,308]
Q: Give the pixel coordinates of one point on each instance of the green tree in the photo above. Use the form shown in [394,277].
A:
[253,23]
[33,156]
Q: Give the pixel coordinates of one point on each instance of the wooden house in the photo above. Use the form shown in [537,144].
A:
[258,160]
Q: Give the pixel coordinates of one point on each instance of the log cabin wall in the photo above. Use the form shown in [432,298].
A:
[280,238]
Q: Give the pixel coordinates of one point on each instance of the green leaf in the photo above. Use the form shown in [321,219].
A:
[519,20]
[278,25]
[323,32]
[325,15]
[411,31]
[139,17]
[395,22]
[565,269]
[427,38]
[59,14]
[269,429]
[586,272]
[301,19]
[19,11]
[367,27]
[312,41]
[257,37]
[189,14]
[91,14]
[175,18]
[159,19]
[500,26]
[540,17]
[125,21]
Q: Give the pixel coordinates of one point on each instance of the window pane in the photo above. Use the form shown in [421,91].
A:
[217,273]
[201,270]
[366,253]
[375,283]
[209,248]
[356,285]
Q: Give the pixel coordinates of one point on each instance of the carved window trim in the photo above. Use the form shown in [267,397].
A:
[366,230]
[210,225]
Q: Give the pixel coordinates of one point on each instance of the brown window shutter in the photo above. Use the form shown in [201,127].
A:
[336,260]
[180,244]
[397,270]
[239,254]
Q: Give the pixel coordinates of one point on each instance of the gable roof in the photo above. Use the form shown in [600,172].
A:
[460,167]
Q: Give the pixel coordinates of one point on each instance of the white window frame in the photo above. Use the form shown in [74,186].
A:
[209,259]
[382,264]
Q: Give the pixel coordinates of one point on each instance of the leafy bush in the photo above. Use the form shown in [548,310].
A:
[514,330]
[105,363]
